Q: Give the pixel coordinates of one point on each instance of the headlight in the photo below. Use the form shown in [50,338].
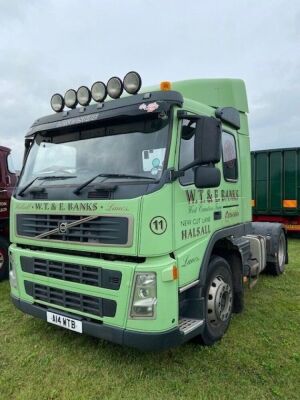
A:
[114,87]
[12,273]
[57,102]
[132,82]
[84,96]
[144,295]
[71,98]
[99,91]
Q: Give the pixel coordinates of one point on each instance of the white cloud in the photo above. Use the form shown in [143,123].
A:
[50,47]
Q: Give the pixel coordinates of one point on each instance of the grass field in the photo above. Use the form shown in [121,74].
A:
[259,357]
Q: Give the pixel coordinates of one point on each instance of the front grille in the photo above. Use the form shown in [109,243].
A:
[105,230]
[71,300]
[94,276]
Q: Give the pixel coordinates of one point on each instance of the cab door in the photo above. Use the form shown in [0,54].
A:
[198,213]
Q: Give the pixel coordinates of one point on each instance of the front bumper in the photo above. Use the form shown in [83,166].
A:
[145,341]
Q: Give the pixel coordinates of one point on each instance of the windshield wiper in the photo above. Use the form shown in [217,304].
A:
[44,178]
[79,189]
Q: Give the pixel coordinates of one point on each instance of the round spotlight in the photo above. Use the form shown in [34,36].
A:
[99,91]
[84,96]
[115,87]
[57,102]
[132,82]
[71,98]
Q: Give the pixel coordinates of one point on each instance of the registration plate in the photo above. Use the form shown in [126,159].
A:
[65,322]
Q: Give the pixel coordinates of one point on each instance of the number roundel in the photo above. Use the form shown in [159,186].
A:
[158,225]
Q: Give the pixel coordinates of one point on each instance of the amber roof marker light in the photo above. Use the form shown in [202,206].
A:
[165,85]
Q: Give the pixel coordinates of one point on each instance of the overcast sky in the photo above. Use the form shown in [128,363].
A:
[50,46]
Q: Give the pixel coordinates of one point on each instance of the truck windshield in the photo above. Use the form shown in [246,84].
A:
[135,147]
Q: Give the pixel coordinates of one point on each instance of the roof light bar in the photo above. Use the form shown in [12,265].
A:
[132,83]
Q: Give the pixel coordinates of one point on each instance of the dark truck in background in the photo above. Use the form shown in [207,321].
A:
[8,180]
[276,187]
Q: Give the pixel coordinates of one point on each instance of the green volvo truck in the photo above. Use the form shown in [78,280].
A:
[132,217]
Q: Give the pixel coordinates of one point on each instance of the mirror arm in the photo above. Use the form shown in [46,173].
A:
[177,174]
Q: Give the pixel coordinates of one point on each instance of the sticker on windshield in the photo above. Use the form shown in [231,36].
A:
[153,160]
[149,107]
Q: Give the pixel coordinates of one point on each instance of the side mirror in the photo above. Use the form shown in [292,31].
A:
[207,177]
[207,147]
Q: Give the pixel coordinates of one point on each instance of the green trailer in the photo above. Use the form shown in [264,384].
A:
[276,186]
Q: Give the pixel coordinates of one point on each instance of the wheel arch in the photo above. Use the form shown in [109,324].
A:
[229,244]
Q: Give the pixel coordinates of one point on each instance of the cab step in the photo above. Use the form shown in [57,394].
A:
[187,325]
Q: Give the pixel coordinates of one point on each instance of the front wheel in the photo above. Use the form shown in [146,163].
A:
[218,300]
[3,259]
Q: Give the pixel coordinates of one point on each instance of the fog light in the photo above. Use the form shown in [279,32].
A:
[84,96]
[132,82]
[57,102]
[71,98]
[115,87]
[99,91]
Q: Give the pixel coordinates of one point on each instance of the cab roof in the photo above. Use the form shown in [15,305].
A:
[224,92]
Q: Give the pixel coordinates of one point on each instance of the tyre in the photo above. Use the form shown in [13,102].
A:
[3,258]
[218,300]
[277,267]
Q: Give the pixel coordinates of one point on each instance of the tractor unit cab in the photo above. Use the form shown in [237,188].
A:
[132,217]
[8,181]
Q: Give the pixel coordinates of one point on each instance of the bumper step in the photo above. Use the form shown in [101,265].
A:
[187,325]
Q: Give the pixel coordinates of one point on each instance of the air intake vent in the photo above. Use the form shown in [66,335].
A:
[93,276]
[71,300]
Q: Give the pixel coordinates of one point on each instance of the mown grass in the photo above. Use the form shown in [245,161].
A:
[259,357]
